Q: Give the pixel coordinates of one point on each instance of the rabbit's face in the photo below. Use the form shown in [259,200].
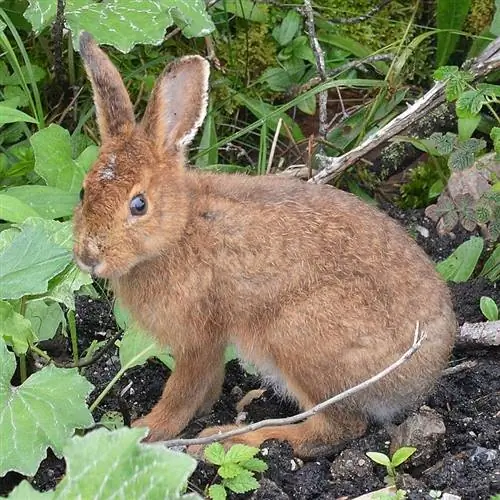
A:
[126,215]
[134,205]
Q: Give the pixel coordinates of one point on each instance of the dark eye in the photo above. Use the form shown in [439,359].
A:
[138,205]
[82,192]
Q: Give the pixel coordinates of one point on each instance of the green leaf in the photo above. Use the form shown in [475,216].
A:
[119,466]
[229,470]
[48,202]
[12,115]
[444,144]
[470,102]
[53,161]
[215,453]
[379,458]
[239,453]
[308,106]
[15,329]
[402,454]
[467,124]
[208,138]
[45,318]
[217,492]
[495,137]
[242,482]
[43,412]
[14,210]
[246,9]
[450,16]
[62,287]
[489,308]
[460,265]
[456,80]
[491,268]
[288,28]
[495,24]
[255,465]
[124,23]
[34,255]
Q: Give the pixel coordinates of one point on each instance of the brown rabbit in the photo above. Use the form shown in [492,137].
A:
[317,289]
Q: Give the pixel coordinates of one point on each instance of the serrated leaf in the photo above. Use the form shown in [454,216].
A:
[489,308]
[217,492]
[53,160]
[15,329]
[43,412]
[379,458]
[446,73]
[470,101]
[45,318]
[48,202]
[460,265]
[12,115]
[15,210]
[121,467]
[34,255]
[240,453]
[402,455]
[443,143]
[215,453]
[229,470]
[62,287]
[461,159]
[242,482]
[255,465]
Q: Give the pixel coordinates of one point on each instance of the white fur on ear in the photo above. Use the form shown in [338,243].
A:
[186,140]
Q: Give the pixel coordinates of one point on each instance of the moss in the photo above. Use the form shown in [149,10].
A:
[480,16]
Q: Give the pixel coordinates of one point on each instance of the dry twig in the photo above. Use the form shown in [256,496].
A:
[274,422]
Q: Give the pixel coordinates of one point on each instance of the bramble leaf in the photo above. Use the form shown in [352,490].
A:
[43,412]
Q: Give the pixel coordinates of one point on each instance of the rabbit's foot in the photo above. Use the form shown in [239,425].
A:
[156,431]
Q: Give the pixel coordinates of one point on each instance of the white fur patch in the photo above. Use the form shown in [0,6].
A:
[108,171]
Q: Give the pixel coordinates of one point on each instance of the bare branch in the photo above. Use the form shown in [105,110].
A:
[363,17]
[273,422]
[330,167]
[480,334]
[320,64]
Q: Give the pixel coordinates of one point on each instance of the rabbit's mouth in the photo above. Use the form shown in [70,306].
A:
[98,269]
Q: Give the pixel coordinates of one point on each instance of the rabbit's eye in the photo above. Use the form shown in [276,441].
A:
[138,205]
[82,192]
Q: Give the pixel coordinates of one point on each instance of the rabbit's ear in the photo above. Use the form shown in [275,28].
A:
[178,103]
[115,114]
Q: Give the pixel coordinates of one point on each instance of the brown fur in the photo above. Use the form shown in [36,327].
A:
[317,289]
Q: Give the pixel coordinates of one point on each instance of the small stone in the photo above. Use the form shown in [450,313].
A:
[423,430]
[423,231]
[269,490]
[350,464]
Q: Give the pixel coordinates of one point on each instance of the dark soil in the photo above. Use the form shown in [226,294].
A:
[464,461]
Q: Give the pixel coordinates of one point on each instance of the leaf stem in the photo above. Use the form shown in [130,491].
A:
[72,333]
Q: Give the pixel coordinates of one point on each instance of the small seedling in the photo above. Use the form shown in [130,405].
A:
[489,308]
[400,456]
[236,468]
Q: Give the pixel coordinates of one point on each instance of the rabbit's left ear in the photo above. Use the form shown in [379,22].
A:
[178,104]
[115,114]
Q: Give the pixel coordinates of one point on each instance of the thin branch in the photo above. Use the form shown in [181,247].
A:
[320,65]
[363,17]
[274,422]
[484,64]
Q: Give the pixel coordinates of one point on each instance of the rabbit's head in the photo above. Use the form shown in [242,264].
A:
[133,203]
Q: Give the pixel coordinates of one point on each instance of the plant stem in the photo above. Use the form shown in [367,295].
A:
[23,373]
[101,396]
[41,353]
[72,333]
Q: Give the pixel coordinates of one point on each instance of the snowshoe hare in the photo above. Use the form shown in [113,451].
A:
[319,290]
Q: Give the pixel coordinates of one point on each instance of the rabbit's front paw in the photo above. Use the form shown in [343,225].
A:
[156,432]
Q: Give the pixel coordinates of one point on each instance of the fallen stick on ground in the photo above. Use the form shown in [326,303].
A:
[273,422]
[485,334]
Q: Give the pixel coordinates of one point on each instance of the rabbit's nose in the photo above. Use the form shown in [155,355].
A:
[86,261]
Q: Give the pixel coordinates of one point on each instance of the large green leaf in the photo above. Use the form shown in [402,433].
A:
[495,24]
[115,464]
[45,318]
[43,412]
[47,201]
[15,329]
[460,265]
[124,23]
[37,253]
[53,160]
[450,17]
[62,287]
[14,210]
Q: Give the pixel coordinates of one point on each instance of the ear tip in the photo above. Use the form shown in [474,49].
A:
[86,41]
[194,60]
